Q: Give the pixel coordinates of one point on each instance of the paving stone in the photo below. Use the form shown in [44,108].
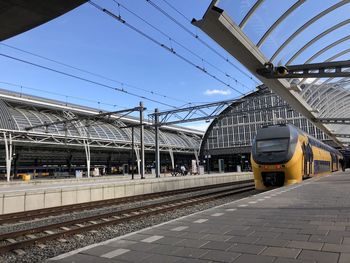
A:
[98,251]
[320,257]
[190,252]
[217,245]
[254,259]
[247,248]
[115,253]
[344,258]
[296,237]
[272,242]
[164,250]
[264,234]
[305,245]
[220,256]
[160,259]
[326,239]
[336,248]
[244,240]
[346,241]
[133,256]
[215,237]
[121,243]
[86,259]
[281,252]
[140,246]
[293,260]
[191,243]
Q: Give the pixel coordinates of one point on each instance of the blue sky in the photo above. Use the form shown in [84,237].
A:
[88,39]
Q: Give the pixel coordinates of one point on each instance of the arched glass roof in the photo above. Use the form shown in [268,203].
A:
[16,117]
[294,32]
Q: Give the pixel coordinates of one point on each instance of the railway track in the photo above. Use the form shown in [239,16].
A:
[47,212]
[23,238]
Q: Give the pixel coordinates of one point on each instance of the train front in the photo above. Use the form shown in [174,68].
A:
[272,151]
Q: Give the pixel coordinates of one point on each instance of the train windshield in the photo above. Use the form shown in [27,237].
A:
[275,145]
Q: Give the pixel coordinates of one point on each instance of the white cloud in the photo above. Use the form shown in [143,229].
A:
[210,92]
[201,126]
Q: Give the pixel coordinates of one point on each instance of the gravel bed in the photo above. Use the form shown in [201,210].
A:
[54,248]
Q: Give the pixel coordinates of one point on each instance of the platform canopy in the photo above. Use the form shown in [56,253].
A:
[19,111]
[292,33]
[18,16]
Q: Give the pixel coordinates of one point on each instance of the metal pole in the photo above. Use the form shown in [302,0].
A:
[142,142]
[132,152]
[156,123]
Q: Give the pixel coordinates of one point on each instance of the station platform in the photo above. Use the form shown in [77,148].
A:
[307,222]
[38,194]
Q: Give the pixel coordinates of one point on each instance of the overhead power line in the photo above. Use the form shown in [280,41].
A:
[179,44]
[86,80]
[169,49]
[196,36]
[94,74]
[61,95]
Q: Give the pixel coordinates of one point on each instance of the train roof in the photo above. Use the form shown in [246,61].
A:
[313,141]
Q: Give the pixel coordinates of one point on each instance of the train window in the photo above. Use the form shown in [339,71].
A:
[276,145]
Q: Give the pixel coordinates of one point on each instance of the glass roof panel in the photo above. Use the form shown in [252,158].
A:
[293,32]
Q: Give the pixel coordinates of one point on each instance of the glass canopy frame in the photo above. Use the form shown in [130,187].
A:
[287,33]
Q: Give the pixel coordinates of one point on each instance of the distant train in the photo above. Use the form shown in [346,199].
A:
[283,155]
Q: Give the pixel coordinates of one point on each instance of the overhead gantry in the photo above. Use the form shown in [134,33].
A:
[304,86]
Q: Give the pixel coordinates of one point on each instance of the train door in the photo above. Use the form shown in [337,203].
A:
[311,157]
[305,159]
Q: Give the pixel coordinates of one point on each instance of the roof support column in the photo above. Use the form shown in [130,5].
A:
[142,142]
[172,158]
[156,133]
[8,151]
[87,153]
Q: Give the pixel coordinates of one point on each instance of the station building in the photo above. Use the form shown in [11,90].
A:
[228,140]
[62,147]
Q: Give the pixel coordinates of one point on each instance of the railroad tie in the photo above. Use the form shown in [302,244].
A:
[65,228]
[41,245]
[79,225]
[105,219]
[62,240]
[93,222]
[49,232]
[11,240]
[19,251]
[31,236]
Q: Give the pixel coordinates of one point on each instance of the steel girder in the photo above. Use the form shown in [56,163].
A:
[219,26]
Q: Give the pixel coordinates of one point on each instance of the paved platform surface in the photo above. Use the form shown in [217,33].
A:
[44,184]
[308,222]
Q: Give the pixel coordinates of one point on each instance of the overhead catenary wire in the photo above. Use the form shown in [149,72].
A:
[169,49]
[179,44]
[94,74]
[61,95]
[86,80]
[196,36]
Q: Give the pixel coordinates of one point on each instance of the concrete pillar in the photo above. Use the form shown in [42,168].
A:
[8,152]
[172,158]
[142,142]
[87,153]
[156,132]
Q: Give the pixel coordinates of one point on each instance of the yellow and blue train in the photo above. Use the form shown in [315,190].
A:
[283,155]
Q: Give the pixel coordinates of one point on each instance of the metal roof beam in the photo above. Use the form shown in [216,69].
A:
[219,26]
[334,120]
[314,70]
